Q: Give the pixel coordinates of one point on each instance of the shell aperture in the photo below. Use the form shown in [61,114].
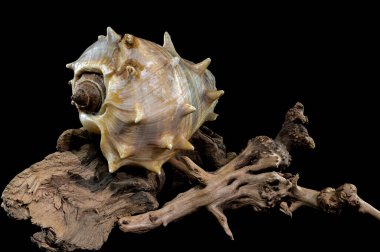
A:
[89,93]
[143,98]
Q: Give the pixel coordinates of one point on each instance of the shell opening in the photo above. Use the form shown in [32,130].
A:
[89,93]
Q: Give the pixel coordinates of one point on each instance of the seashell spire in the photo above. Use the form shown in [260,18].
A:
[142,98]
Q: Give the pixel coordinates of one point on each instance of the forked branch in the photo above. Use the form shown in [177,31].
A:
[253,178]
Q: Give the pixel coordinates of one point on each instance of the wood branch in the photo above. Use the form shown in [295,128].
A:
[332,200]
[191,169]
[250,179]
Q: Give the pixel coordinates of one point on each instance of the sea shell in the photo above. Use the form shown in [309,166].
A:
[143,98]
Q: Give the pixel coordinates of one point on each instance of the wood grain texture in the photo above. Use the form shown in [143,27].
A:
[74,199]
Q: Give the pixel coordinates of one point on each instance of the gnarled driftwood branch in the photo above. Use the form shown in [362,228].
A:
[76,201]
[252,178]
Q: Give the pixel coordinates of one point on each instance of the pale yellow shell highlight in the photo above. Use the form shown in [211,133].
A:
[155,100]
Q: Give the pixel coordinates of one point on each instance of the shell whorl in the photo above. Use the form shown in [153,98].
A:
[149,103]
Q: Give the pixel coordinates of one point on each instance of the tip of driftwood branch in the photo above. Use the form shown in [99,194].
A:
[293,132]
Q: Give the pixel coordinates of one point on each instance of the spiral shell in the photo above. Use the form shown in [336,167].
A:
[143,98]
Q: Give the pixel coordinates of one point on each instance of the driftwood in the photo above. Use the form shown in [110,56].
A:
[76,202]
[253,178]
[74,199]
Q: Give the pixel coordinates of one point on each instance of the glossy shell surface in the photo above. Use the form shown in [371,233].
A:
[143,98]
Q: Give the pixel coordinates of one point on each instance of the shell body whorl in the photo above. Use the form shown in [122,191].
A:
[151,103]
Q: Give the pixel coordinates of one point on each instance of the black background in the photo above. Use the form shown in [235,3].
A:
[265,58]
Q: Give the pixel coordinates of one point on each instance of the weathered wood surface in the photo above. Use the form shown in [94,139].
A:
[77,202]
